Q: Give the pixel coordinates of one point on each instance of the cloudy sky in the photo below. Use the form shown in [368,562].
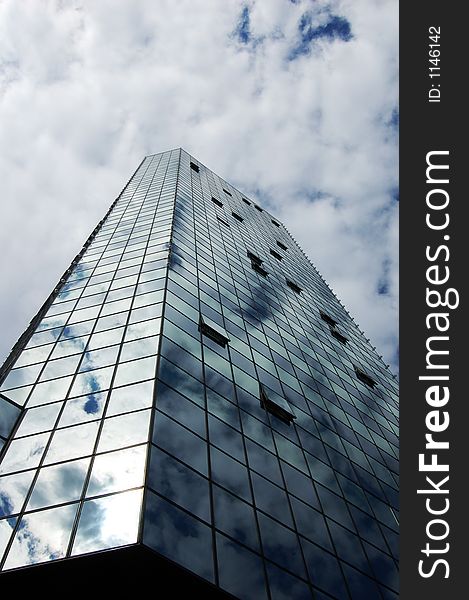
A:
[293,102]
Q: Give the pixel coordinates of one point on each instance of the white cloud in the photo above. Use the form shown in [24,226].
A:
[89,88]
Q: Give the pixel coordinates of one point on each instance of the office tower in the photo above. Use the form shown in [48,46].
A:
[193,403]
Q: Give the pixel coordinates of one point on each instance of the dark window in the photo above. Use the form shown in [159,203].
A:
[338,335]
[222,221]
[217,202]
[214,331]
[227,192]
[294,287]
[259,269]
[237,217]
[282,246]
[276,404]
[195,167]
[259,208]
[275,223]
[328,319]
[246,202]
[276,254]
[364,377]
[254,259]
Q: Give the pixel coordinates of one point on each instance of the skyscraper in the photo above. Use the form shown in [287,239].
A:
[193,400]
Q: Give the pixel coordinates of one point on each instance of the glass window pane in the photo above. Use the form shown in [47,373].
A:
[130,398]
[108,522]
[49,391]
[172,479]
[136,370]
[59,483]
[80,410]
[235,517]
[116,471]
[24,454]
[179,537]
[180,442]
[50,530]
[139,348]
[73,442]
[13,490]
[234,560]
[91,382]
[39,419]
[124,430]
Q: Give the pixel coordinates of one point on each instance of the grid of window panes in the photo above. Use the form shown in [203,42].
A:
[71,479]
[262,508]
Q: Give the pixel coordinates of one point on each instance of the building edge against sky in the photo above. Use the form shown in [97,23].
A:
[194,386]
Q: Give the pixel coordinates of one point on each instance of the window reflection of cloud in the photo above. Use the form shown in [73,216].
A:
[117,471]
[72,442]
[130,397]
[99,358]
[69,347]
[91,381]
[179,483]
[18,395]
[235,517]
[49,391]
[39,419]
[6,529]
[177,536]
[108,522]
[124,430]
[281,545]
[21,376]
[13,490]
[137,370]
[82,409]
[73,331]
[234,560]
[24,454]
[33,355]
[57,484]
[41,537]
[60,367]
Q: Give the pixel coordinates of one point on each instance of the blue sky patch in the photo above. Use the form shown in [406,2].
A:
[242,31]
[336,28]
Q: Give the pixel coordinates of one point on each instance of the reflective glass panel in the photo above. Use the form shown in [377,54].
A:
[116,471]
[59,483]
[108,522]
[41,536]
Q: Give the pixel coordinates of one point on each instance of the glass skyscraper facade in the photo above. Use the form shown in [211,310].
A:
[193,386]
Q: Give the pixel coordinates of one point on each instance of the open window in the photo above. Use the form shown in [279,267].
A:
[227,192]
[292,285]
[256,264]
[338,336]
[365,378]
[275,223]
[329,320]
[259,208]
[246,201]
[276,254]
[237,217]
[194,167]
[217,202]
[254,258]
[214,331]
[276,404]
[258,269]
[282,246]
